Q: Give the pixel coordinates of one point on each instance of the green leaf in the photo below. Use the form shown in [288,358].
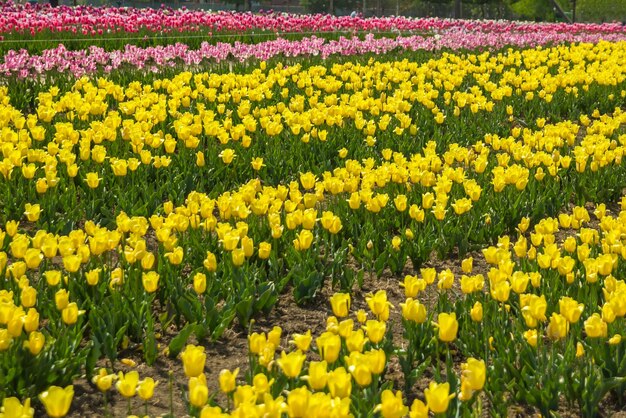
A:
[177,343]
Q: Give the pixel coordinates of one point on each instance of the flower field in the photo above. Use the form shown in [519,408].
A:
[217,214]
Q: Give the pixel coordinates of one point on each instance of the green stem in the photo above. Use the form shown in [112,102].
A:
[171,388]
[106,405]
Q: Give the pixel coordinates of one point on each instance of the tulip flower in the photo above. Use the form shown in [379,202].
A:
[103,380]
[127,383]
[274,335]
[198,391]
[265,249]
[194,360]
[392,405]
[329,346]
[13,408]
[32,212]
[150,281]
[340,303]
[92,180]
[302,341]
[261,384]
[35,343]
[227,380]
[595,327]
[438,397]
[558,327]
[291,364]
[146,388]
[379,305]
[474,372]
[570,309]
[318,375]
[70,313]
[298,402]
[339,383]
[448,327]
[413,310]
[57,401]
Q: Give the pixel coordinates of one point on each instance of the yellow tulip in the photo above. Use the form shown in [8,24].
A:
[200,162]
[227,155]
[446,279]
[127,383]
[302,341]
[261,384]
[53,277]
[150,281]
[595,327]
[448,327]
[291,364]
[103,380]
[274,335]
[71,263]
[329,346]
[476,313]
[580,349]
[93,277]
[256,342]
[194,360]
[265,249]
[199,283]
[57,401]
[31,320]
[377,360]
[340,304]
[396,242]
[146,388]
[307,180]
[13,408]
[227,380]
[474,372]
[339,383]
[413,310]
[5,339]
[28,297]
[210,262]
[558,327]
[318,375]
[257,163]
[531,337]
[418,409]
[32,212]
[198,391]
[379,304]
[298,402]
[70,313]
[392,405]
[438,397]
[92,180]
[356,341]
[375,330]
[35,343]
[238,257]
[570,309]
[303,240]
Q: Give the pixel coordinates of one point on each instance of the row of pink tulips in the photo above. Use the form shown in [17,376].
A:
[99,20]
[22,64]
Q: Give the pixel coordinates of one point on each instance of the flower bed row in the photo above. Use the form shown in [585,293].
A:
[98,60]
[100,20]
